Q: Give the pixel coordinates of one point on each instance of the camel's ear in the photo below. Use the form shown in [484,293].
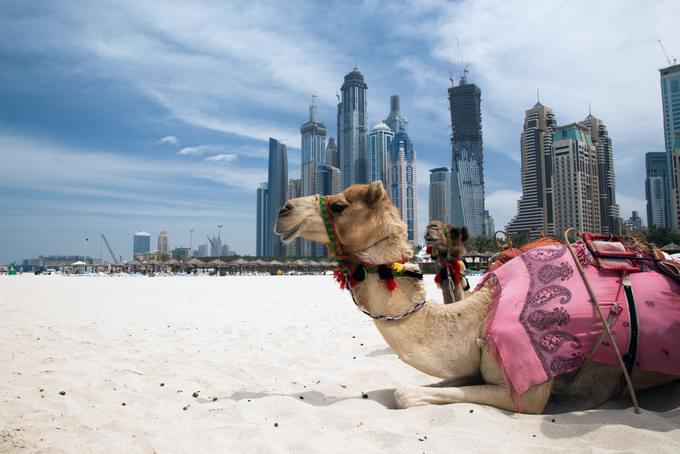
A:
[376,192]
[464,234]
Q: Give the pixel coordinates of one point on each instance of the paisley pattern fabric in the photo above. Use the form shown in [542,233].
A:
[543,324]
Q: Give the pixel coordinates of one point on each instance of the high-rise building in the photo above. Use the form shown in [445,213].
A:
[635,221]
[670,97]
[401,181]
[328,182]
[203,250]
[141,244]
[575,180]
[379,141]
[440,194]
[656,189]
[467,178]
[298,247]
[332,153]
[313,150]
[262,233]
[395,120]
[277,191]
[353,129]
[609,210]
[489,230]
[535,213]
[163,247]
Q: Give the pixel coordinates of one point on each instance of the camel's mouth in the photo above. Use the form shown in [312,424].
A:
[430,241]
[290,234]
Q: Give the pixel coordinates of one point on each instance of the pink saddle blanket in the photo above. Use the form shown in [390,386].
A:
[543,324]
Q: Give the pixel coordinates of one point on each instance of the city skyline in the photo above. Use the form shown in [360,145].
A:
[111,124]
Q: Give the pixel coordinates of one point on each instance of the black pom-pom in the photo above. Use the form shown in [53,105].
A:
[359,273]
[385,272]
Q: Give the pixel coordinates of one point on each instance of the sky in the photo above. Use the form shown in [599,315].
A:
[119,116]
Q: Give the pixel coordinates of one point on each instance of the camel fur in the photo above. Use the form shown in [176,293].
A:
[438,340]
[446,243]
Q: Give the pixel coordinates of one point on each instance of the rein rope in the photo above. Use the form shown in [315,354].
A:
[345,263]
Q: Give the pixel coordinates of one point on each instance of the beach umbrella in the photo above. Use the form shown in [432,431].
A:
[217,263]
[196,262]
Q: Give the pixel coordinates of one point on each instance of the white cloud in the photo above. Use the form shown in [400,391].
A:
[224,157]
[192,151]
[172,140]
[502,205]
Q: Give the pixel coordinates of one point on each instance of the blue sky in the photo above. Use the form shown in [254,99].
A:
[136,115]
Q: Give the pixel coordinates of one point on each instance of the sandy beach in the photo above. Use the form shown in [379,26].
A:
[250,364]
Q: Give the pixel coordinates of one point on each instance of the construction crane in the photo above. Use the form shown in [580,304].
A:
[108,246]
[666,53]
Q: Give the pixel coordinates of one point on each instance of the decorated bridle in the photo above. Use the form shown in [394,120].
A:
[352,270]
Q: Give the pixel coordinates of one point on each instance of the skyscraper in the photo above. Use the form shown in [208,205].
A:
[163,247]
[656,187]
[328,182]
[575,180]
[609,210]
[535,213]
[332,153]
[141,244]
[353,129]
[670,97]
[277,190]
[467,179]
[440,194]
[489,225]
[262,215]
[379,141]
[298,247]
[401,181]
[395,120]
[313,149]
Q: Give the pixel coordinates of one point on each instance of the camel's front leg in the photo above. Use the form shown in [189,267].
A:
[533,401]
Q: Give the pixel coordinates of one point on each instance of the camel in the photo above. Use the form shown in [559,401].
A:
[445,244]
[445,341]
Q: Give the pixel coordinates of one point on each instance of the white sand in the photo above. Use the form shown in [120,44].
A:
[259,345]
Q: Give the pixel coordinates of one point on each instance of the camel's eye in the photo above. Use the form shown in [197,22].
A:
[338,207]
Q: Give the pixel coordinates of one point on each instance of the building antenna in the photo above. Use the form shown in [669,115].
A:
[589,111]
[337,95]
[451,79]
[538,97]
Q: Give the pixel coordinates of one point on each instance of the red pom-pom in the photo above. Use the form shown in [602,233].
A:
[391,284]
[438,279]
[429,250]
[340,278]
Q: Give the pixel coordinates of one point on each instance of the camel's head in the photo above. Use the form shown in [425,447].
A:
[363,216]
[456,243]
[436,237]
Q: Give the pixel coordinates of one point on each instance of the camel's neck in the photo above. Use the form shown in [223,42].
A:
[439,340]
[388,250]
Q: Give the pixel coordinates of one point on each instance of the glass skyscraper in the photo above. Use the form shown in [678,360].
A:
[467,167]
[656,189]
[440,194]
[379,142]
[313,150]
[263,237]
[670,97]
[353,130]
[395,120]
[401,181]
[141,244]
[277,190]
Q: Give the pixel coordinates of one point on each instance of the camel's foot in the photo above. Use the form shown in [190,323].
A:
[409,397]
